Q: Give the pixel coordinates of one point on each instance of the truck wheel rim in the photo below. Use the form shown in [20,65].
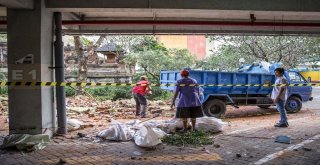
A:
[215,110]
[293,104]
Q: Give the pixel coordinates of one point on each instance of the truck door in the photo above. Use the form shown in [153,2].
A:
[303,91]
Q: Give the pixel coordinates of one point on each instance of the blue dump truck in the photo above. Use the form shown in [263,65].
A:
[226,88]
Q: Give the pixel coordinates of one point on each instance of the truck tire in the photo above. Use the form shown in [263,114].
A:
[293,104]
[215,108]
[264,106]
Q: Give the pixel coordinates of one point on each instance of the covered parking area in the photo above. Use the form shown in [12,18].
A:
[35,29]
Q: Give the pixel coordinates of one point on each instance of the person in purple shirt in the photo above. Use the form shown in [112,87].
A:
[189,105]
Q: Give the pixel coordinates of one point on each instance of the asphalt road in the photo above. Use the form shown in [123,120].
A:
[315,104]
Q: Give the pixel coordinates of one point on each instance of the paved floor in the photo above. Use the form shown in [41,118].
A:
[248,139]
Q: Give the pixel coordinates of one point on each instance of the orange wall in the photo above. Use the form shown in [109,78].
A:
[194,43]
[173,41]
[197,46]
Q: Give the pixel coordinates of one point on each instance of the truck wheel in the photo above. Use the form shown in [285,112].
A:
[264,106]
[293,104]
[215,108]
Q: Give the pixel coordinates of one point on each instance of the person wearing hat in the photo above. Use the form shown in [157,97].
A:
[139,92]
[189,105]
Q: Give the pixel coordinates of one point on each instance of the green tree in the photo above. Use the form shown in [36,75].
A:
[82,54]
[290,50]
[151,61]
[180,59]
[148,43]
[226,59]
[3,37]
[152,57]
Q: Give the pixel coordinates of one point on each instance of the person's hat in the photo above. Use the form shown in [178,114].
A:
[184,73]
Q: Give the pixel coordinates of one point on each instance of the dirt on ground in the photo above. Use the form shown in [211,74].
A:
[98,114]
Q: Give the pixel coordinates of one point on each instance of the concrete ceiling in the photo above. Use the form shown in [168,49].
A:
[229,15]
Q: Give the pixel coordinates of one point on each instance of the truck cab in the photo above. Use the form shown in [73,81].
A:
[298,93]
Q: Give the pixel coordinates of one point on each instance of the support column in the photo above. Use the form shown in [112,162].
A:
[31,109]
[59,66]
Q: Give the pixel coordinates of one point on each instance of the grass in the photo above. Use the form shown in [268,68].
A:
[197,138]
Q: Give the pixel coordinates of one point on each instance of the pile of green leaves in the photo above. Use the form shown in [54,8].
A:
[197,138]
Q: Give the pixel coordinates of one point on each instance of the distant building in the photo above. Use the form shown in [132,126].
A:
[196,44]
[111,52]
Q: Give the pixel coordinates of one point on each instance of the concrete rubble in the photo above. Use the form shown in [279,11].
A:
[3,105]
[107,110]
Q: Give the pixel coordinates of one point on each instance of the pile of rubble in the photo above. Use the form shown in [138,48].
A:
[3,105]
[104,110]
[91,112]
[107,110]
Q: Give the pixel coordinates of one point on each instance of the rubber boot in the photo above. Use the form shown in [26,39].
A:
[138,107]
[143,110]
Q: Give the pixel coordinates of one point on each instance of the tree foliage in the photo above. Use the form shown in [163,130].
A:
[226,59]
[152,57]
[290,50]
[3,37]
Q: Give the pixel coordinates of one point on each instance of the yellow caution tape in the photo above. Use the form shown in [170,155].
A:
[64,84]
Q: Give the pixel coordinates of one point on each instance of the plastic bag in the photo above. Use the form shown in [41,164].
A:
[26,142]
[133,122]
[148,136]
[154,124]
[117,132]
[170,126]
[210,124]
[74,124]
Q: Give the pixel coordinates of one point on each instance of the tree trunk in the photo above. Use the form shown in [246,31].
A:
[82,72]
[83,60]
[152,75]
[92,54]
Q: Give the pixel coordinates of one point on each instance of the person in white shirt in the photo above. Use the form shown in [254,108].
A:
[279,97]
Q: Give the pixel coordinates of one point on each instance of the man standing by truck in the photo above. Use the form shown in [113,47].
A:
[279,97]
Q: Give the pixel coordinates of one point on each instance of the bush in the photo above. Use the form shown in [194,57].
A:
[110,93]
[120,93]
[3,77]
[98,91]
[3,90]
[123,92]
[160,94]
[115,93]
[69,91]
[157,92]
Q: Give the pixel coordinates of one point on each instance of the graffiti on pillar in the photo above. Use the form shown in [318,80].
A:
[25,72]
[19,75]
[28,59]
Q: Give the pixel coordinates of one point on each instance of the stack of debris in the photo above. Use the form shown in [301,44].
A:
[150,133]
[3,105]
[107,110]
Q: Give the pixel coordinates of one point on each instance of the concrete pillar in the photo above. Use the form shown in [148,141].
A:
[30,47]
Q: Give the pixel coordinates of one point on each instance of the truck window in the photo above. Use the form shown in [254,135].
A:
[294,76]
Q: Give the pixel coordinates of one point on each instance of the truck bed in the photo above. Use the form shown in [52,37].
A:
[230,78]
